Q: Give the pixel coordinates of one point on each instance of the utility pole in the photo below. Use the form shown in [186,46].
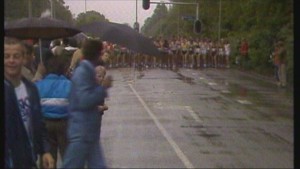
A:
[84,6]
[220,12]
[29,8]
[51,6]
[136,25]
[136,16]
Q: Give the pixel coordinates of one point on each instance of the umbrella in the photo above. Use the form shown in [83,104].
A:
[39,28]
[80,37]
[122,35]
[44,28]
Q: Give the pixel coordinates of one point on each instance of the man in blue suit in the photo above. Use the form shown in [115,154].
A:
[84,117]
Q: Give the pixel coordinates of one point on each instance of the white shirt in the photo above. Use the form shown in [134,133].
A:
[24,106]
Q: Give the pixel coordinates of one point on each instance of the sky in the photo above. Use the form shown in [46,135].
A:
[119,11]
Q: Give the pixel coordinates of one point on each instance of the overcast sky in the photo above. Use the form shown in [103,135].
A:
[120,11]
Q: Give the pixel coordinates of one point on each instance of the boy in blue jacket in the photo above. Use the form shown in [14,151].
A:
[54,91]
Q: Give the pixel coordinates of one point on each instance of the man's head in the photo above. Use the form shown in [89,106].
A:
[14,57]
[91,49]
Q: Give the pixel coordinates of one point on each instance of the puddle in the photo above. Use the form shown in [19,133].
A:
[207,135]
[259,101]
[192,126]
[236,90]
[185,79]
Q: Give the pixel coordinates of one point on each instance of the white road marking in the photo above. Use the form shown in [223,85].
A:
[176,148]
[212,83]
[225,91]
[193,114]
[244,101]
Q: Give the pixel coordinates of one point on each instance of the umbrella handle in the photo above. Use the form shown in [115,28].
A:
[40,46]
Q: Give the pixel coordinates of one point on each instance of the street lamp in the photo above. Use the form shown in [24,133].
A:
[84,6]
[51,6]
[220,12]
[29,8]
[136,25]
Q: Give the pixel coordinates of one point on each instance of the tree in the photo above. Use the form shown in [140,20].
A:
[60,11]
[90,16]
[153,25]
[16,9]
[260,22]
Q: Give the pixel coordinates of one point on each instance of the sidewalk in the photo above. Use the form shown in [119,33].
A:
[248,89]
[269,79]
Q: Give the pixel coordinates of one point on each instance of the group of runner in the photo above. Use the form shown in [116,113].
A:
[176,52]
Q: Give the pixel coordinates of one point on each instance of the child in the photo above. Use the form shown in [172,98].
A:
[100,74]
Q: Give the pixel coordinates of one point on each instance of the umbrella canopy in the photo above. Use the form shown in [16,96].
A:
[122,35]
[80,37]
[39,28]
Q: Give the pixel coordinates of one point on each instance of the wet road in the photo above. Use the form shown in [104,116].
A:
[197,119]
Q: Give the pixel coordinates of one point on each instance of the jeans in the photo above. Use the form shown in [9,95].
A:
[282,74]
[79,152]
[277,72]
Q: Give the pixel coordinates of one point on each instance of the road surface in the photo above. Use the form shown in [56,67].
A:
[213,118]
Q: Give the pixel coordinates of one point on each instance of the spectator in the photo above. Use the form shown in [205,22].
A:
[227,49]
[44,53]
[56,47]
[282,66]
[244,48]
[100,75]
[30,134]
[54,91]
[76,58]
[84,120]
[276,62]
[28,70]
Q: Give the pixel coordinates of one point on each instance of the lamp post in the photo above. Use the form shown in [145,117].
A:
[84,6]
[136,25]
[220,13]
[51,6]
[136,16]
[29,8]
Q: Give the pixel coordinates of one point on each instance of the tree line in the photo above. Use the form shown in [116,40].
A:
[261,22]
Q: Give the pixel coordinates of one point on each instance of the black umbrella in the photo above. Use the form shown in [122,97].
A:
[42,28]
[80,37]
[39,28]
[122,35]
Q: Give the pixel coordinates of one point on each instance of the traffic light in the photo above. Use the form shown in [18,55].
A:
[197,26]
[146,4]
